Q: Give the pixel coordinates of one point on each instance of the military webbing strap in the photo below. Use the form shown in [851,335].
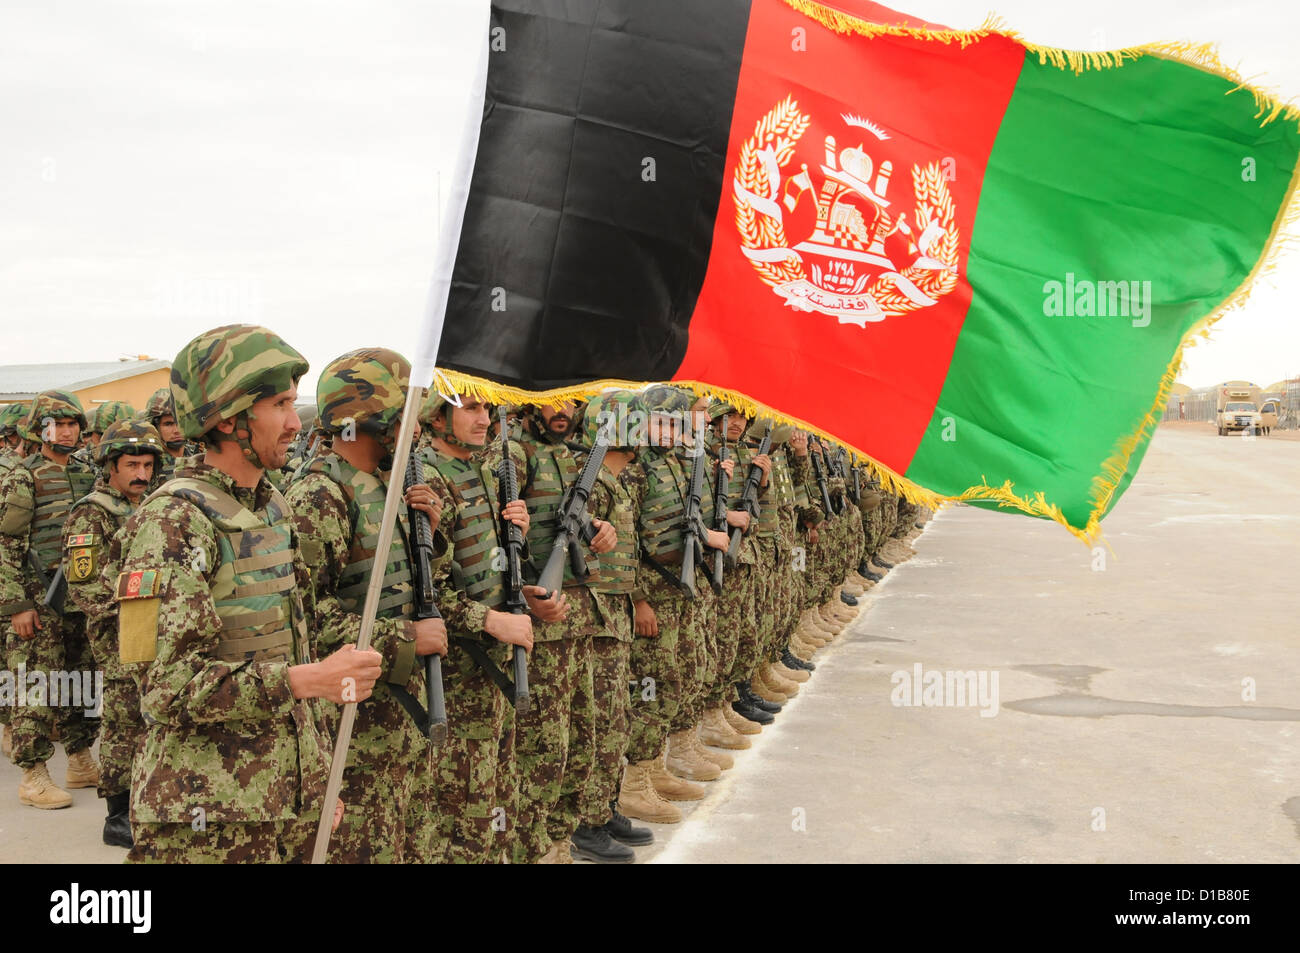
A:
[476,652]
[109,504]
[674,581]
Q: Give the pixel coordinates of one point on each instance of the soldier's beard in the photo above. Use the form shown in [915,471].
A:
[565,419]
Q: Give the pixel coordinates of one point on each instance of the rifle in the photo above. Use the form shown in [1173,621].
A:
[426,607]
[721,485]
[56,586]
[508,484]
[856,494]
[821,482]
[573,523]
[694,532]
[749,496]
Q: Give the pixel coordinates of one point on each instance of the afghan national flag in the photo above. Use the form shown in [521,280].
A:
[973,260]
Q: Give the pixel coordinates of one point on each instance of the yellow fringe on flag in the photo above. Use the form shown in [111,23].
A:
[1104,486]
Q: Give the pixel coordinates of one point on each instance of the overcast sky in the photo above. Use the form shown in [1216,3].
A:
[169,166]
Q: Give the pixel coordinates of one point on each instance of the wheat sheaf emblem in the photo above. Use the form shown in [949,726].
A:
[845,268]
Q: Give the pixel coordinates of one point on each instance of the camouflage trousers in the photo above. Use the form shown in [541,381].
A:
[665,667]
[471,804]
[735,626]
[60,648]
[611,657]
[555,742]
[749,579]
[120,729]
[389,765]
[907,514]
[698,663]
[265,842]
[786,591]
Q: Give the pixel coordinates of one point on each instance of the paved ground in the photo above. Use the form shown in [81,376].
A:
[1121,733]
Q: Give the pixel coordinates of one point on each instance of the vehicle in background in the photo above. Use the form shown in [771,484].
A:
[1268,415]
[1238,408]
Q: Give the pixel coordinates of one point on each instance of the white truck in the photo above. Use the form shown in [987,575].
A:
[1238,408]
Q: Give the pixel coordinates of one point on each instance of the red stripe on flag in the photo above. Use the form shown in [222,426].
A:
[868,356]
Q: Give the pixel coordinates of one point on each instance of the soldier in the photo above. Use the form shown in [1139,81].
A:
[98,420]
[555,742]
[235,757]
[476,785]
[338,503]
[126,456]
[37,494]
[11,446]
[161,412]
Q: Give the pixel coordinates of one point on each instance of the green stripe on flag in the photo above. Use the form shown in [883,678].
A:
[1145,173]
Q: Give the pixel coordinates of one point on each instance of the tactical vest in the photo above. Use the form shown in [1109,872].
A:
[474,531]
[256,595]
[365,495]
[556,470]
[56,488]
[618,567]
[664,507]
[117,508]
[766,525]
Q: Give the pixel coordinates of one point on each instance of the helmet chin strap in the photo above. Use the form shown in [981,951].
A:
[243,437]
[174,445]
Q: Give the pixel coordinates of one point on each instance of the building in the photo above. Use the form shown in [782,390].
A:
[94,383]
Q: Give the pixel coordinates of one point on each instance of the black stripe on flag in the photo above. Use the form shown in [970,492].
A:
[595,188]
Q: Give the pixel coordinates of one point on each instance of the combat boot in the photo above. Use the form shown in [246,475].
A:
[754,700]
[776,683]
[117,826]
[685,761]
[742,725]
[82,770]
[595,844]
[37,789]
[842,613]
[870,572]
[852,589]
[882,561]
[670,786]
[794,662]
[848,598]
[562,855]
[717,731]
[826,614]
[638,798]
[761,689]
[790,673]
[552,855]
[755,716]
[801,649]
[623,831]
[723,760]
[7,743]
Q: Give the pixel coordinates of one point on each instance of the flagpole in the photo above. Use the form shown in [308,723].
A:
[393,499]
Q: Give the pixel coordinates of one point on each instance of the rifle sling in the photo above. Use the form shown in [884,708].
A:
[413,707]
[674,581]
[483,661]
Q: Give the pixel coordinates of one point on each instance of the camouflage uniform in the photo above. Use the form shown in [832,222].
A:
[162,404]
[475,770]
[232,767]
[35,497]
[338,510]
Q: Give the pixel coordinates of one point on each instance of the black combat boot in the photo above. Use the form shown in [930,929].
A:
[790,660]
[621,829]
[873,573]
[748,696]
[756,715]
[847,599]
[117,826]
[595,844]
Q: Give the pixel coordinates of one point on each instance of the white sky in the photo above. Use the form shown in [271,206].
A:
[166,167]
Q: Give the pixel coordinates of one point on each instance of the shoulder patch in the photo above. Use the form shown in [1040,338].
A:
[141,584]
[82,539]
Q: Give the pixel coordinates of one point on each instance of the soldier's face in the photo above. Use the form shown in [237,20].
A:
[273,423]
[736,425]
[171,433]
[63,431]
[92,440]
[559,420]
[469,422]
[130,474]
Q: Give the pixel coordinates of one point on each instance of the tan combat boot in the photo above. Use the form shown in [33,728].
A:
[638,798]
[800,649]
[669,785]
[717,731]
[37,789]
[686,762]
[82,770]
[723,760]
[852,587]
[796,675]
[740,723]
[826,614]
[562,853]
[762,690]
[784,686]
[7,743]
[845,614]
[551,856]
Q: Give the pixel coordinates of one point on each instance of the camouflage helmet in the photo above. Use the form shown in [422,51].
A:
[666,399]
[128,436]
[110,412]
[223,372]
[624,410]
[720,408]
[57,405]
[366,387]
[92,416]
[10,417]
[159,405]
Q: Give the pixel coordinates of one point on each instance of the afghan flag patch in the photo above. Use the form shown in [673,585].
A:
[141,584]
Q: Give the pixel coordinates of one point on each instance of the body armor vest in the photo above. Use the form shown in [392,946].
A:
[56,489]
[766,524]
[664,507]
[557,469]
[618,567]
[365,494]
[117,508]
[255,589]
[474,533]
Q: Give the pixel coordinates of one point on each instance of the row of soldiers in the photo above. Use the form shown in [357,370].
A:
[224,608]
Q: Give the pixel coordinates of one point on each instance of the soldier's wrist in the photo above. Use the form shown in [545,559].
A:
[304,680]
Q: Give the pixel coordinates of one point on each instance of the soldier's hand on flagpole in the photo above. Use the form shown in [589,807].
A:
[26,624]
[346,672]
[606,537]
[509,628]
[553,609]
[338,814]
[430,637]
[516,512]
[646,623]
[422,497]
